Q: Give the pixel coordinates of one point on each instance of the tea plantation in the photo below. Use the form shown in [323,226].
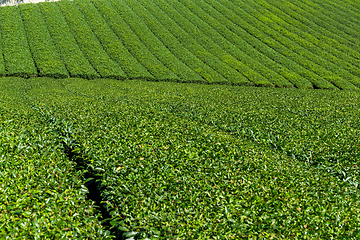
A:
[181,119]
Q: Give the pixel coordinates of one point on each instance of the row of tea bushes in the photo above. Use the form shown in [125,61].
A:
[286,67]
[317,67]
[153,43]
[305,48]
[208,74]
[189,42]
[210,45]
[290,27]
[42,194]
[219,42]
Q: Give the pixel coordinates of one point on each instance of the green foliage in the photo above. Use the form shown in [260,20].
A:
[42,194]
[253,45]
[111,43]
[308,41]
[17,56]
[306,44]
[42,48]
[311,70]
[70,53]
[188,161]
[88,43]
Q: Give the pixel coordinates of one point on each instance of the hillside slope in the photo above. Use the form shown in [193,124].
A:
[302,44]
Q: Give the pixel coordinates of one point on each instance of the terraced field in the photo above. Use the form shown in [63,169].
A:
[287,44]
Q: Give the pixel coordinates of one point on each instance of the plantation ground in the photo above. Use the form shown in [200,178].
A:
[178,160]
